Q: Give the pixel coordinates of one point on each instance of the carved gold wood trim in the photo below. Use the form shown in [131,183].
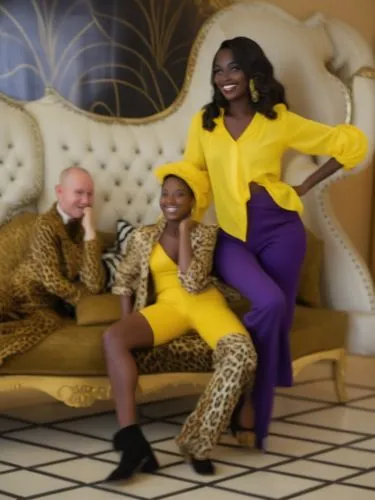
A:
[346,91]
[365,72]
[80,392]
[77,392]
[208,6]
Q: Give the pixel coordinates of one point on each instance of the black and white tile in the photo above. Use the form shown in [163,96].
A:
[317,449]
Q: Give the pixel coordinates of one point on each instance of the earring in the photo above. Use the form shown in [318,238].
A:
[254,94]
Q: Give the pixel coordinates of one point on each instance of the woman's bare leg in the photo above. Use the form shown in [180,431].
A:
[119,340]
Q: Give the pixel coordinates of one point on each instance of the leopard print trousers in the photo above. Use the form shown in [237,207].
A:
[235,361]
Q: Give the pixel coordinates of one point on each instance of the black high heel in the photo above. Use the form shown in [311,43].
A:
[244,436]
[137,455]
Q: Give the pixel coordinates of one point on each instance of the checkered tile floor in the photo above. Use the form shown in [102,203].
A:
[317,450]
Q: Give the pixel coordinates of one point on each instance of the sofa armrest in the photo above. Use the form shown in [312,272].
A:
[98,309]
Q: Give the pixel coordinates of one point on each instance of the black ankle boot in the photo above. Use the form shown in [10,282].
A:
[204,467]
[137,455]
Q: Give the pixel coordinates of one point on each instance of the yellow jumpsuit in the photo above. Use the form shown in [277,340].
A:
[176,311]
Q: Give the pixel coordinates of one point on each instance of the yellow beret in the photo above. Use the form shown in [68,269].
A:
[196,179]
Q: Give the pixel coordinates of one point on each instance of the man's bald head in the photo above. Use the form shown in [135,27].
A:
[72,172]
[75,191]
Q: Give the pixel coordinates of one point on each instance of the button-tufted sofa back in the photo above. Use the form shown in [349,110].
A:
[21,158]
[120,156]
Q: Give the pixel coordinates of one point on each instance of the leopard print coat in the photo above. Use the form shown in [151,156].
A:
[59,266]
[133,273]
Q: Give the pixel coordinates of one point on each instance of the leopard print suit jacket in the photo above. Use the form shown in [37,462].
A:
[60,264]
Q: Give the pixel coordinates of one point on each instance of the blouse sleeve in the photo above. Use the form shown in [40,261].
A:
[193,149]
[346,143]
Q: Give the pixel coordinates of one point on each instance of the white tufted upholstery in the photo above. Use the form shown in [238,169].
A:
[121,154]
[120,158]
[21,158]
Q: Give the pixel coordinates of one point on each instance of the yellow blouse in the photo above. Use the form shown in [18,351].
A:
[256,157]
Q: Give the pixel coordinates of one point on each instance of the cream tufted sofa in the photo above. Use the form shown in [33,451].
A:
[313,59]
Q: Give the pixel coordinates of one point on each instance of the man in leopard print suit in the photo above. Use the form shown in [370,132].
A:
[62,265]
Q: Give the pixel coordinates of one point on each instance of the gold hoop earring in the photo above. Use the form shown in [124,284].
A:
[254,94]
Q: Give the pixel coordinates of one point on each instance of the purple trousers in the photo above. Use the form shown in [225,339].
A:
[265,269]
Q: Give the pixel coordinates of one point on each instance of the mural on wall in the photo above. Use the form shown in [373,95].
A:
[118,57]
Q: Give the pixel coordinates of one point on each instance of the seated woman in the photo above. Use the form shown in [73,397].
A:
[177,253]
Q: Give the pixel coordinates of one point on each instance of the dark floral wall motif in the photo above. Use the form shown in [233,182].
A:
[113,57]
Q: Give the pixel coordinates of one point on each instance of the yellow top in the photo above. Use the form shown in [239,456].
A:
[256,157]
[164,272]
[168,288]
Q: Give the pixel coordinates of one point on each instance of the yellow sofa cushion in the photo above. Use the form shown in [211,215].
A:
[98,309]
[77,350]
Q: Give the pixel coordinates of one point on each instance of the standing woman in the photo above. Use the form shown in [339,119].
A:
[240,138]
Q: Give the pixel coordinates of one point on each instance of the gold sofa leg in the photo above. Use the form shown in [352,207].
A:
[339,367]
[338,358]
